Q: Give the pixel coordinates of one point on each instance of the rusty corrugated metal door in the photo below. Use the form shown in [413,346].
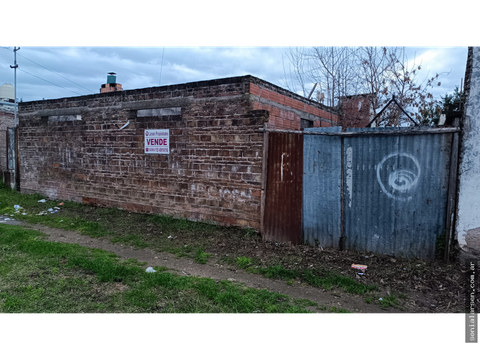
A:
[283,203]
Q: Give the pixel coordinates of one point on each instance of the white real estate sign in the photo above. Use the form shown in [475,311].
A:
[157,141]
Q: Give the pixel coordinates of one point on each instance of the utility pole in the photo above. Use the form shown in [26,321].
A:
[15,66]
[15,184]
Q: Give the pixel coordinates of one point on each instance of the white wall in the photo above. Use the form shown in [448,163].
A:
[468,219]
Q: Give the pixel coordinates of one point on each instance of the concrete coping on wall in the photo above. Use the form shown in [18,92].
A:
[160,112]
[394,132]
[65,118]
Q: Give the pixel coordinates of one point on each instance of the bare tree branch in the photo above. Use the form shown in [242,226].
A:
[373,74]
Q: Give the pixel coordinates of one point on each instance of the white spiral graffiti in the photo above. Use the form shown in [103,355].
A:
[398,182]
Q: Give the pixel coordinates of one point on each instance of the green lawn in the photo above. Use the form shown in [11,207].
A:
[197,240]
[37,276]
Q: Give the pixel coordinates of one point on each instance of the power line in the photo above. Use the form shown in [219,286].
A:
[50,82]
[3,47]
[56,73]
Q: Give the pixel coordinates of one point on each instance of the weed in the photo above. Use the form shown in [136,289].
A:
[249,233]
[336,310]
[134,262]
[388,301]
[279,272]
[243,262]
[304,302]
[254,270]
[344,312]
[368,300]
[170,223]
[227,260]
[201,257]
[157,268]
[290,282]
[327,280]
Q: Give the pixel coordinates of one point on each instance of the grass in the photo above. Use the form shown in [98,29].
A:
[201,256]
[334,309]
[304,302]
[229,260]
[317,277]
[243,262]
[328,280]
[249,233]
[387,301]
[37,276]
[181,237]
[158,232]
[279,272]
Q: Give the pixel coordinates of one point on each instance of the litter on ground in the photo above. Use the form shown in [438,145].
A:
[359,267]
[150,270]
[42,201]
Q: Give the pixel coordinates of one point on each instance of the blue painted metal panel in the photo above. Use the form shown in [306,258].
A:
[395,192]
[322,186]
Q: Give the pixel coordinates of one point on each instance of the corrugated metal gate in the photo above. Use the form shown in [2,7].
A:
[385,191]
[396,192]
[321,208]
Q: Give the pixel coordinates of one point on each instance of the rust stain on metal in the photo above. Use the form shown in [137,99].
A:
[283,203]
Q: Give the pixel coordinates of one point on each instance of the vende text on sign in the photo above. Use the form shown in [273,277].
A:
[157,141]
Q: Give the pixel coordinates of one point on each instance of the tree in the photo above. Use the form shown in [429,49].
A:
[376,72]
[450,105]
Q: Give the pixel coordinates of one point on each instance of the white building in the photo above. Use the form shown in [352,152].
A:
[7,98]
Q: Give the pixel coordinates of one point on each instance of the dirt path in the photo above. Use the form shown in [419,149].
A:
[187,267]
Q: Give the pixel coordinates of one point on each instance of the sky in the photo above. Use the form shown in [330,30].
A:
[50,72]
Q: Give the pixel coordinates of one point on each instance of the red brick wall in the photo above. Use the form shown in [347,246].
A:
[286,110]
[355,112]
[73,148]
[213,171]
